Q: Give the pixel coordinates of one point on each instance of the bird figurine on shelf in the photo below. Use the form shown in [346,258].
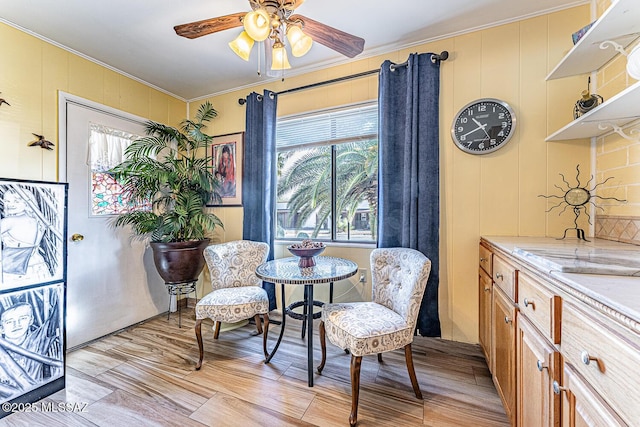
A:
[3,101]
[42,142]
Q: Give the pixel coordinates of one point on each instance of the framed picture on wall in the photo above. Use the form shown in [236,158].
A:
[32,232]
[226,161]
[32,345]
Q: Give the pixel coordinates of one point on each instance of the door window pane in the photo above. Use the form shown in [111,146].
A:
[106,150]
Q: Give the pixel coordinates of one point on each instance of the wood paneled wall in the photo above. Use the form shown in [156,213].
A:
[494,194]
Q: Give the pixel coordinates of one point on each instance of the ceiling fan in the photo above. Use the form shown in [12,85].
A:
[271,20]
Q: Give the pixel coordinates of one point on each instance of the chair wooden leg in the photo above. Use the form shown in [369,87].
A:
[264,335]
[379,357]
[356,361]
[199,339]
[412,372]
[216,330]
[258,323]
[323,346]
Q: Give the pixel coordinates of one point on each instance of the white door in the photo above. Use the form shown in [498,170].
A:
[111,279]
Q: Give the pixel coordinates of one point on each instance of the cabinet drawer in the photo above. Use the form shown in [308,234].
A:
[504,276]
[485,260]
[608,359]
[540,306]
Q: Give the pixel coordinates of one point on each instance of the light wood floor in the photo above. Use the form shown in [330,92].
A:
[144,376]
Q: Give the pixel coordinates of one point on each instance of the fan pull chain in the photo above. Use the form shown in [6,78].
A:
[260,49]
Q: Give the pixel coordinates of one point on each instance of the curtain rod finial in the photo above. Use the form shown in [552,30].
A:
[242,101]
[442,57]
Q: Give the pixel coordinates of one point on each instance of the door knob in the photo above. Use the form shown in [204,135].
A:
[77,237]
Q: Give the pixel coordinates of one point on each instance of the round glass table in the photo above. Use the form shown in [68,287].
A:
[286,271]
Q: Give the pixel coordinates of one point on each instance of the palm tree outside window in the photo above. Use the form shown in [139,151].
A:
[327,175]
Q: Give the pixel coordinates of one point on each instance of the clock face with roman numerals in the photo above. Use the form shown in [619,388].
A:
[483,126]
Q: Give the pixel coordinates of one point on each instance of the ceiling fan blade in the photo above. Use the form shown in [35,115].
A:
[197,29]
[344,43]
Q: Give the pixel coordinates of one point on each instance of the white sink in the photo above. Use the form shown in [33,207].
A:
[586,260]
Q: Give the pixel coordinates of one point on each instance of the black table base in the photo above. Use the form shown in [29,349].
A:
[307,323]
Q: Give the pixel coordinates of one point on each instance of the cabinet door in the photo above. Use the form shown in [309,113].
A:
[485,292]
[581,405]
[537,367]
[503,348]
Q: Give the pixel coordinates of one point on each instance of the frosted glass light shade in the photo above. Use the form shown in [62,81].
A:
[257,24]
[279,60]
[300,42]
[242,45]
[633,63]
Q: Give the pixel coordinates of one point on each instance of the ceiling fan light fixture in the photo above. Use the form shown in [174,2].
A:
[292,4]
[257,24]
[300,42]
[242,45]
[279,60]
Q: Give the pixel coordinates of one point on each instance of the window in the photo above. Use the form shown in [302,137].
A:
[106,150]
[328,175]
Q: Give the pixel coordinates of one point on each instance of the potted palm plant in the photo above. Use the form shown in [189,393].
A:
[169,180]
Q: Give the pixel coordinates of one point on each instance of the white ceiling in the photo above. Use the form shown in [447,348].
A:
[137,37]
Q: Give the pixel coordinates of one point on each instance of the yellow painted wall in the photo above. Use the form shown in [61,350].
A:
[493,194]
[31,74]
[481,195]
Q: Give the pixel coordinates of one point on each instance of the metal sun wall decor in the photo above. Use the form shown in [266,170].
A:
[577,197]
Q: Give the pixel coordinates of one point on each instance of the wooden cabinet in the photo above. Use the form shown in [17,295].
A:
[558,356]
[581,405]
[485,293]
[504,277]
[537,358]
[485,260]
[606,357]
[537,369]
[503,352]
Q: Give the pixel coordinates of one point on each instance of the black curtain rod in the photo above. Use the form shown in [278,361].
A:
[435,57]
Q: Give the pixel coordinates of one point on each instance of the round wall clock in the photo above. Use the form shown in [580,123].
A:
[483,126]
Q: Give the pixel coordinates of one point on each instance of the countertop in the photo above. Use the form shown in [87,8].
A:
[555,258]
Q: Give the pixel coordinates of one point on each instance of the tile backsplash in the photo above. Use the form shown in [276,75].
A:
[618,228]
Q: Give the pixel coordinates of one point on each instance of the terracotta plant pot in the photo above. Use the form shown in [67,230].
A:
[179,262]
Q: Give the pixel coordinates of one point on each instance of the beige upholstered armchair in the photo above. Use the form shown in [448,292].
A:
[399,278]
[237,292]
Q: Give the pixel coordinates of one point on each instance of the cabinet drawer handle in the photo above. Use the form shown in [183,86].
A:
[487,289]
[507,319]
[499,276]
[541,365]
[586,358]
[528,303]
[482,259]
[557,389]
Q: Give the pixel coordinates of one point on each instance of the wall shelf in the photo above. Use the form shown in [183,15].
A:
[620,110]
[620,24]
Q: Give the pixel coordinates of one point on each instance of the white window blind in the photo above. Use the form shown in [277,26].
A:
[329,126]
